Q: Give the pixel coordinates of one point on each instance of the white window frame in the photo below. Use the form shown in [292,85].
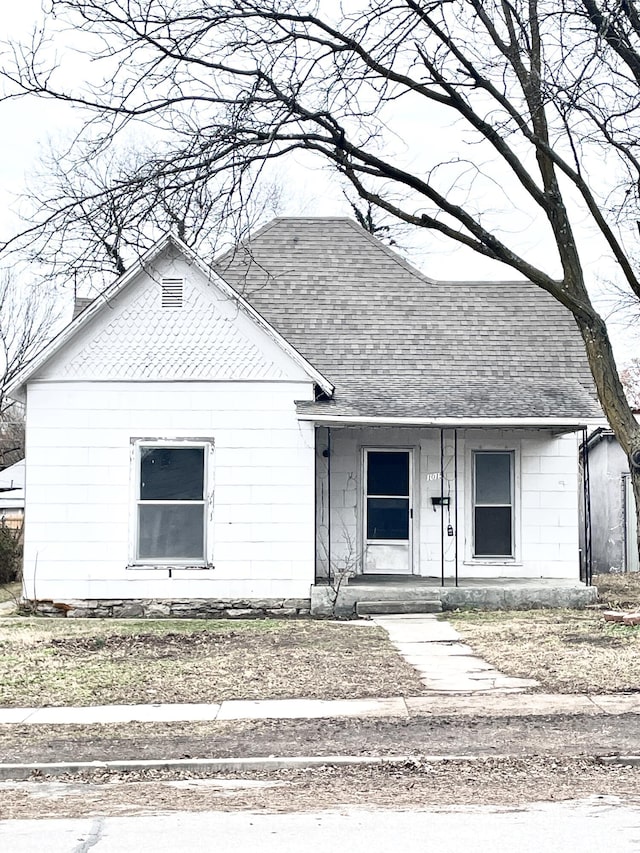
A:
[136,562]
[515,558]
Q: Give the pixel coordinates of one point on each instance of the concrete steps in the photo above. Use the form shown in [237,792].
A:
[388,608]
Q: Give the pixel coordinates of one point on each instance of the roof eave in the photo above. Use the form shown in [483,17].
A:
[569,424]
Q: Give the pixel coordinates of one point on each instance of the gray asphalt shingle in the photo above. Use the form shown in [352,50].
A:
[395,343]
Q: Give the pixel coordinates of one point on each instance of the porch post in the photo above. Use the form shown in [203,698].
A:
[455,495]
[586,500]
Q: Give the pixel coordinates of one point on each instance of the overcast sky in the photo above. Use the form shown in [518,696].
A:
[30,125]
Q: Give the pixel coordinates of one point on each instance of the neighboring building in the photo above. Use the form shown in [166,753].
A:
[612,505]
[313,405]
[12,495]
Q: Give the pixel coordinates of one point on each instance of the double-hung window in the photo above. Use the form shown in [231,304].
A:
[493,503]
[171,505]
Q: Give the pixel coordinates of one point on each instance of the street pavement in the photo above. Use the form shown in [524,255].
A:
[588,826]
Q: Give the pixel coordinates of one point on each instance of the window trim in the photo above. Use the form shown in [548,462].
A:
[153,563]
[512,447]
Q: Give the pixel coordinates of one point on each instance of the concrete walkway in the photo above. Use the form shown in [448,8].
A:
[445,663]
[461,705]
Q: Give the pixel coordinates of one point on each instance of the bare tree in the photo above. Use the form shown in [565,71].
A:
[95,215]
[27,320]
[544,94]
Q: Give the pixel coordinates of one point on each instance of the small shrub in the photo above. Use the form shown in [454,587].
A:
[10,554]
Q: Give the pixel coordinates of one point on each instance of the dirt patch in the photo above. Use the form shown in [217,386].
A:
[415,785]
[169,645]
[568,735]
[618,591]
[103,662]
[566,651]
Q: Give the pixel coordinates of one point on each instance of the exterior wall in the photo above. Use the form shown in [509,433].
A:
[607,464]
[546,500]
[79,512]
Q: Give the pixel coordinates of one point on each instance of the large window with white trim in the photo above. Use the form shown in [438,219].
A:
[493,503]
[171,507]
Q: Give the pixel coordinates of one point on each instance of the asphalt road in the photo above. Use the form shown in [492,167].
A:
[588,826]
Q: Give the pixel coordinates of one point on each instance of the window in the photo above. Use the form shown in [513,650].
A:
[171,503]
[493,503]
[388,495]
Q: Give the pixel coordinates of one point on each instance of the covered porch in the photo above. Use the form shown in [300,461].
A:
[423,517]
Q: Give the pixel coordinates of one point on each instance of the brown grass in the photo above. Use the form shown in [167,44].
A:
[618,592]
[94,662]
[567,651]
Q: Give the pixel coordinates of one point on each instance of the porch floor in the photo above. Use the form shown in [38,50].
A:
[475,583]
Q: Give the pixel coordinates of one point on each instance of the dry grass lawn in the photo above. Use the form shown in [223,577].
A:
[567,651]
[94,662]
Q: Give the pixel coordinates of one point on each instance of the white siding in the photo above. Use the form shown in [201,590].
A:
[135,338]
[140,371]
[79,512]
[546,496]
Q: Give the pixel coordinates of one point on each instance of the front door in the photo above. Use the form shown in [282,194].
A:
[388,511]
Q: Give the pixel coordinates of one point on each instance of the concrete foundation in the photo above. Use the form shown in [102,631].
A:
[470,594]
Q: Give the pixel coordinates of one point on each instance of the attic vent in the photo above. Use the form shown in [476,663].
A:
[172,292]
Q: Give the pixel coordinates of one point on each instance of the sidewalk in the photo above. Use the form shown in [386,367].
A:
[398,707]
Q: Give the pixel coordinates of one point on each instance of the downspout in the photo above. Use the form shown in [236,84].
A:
[329,504]
[442,507]
[587,515]
[586,502]
[317,504]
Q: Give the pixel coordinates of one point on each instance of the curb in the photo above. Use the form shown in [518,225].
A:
[25,772]
[621,760]
[271,763]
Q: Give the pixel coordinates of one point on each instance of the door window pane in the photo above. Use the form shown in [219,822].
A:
[171,473]
[168,531]
[493,478]
[387,473]
[388,518]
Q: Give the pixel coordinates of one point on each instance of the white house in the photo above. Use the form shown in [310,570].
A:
[231,439]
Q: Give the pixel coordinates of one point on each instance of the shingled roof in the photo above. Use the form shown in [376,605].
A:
[397,344]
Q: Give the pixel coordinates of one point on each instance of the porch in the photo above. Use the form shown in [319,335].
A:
[451,508]
[363,593]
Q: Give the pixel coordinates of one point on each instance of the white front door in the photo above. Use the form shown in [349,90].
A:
[388,511]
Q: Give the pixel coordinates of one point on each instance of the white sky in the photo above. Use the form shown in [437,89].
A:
[29,125]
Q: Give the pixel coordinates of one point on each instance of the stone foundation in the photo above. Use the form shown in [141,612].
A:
[162,608]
